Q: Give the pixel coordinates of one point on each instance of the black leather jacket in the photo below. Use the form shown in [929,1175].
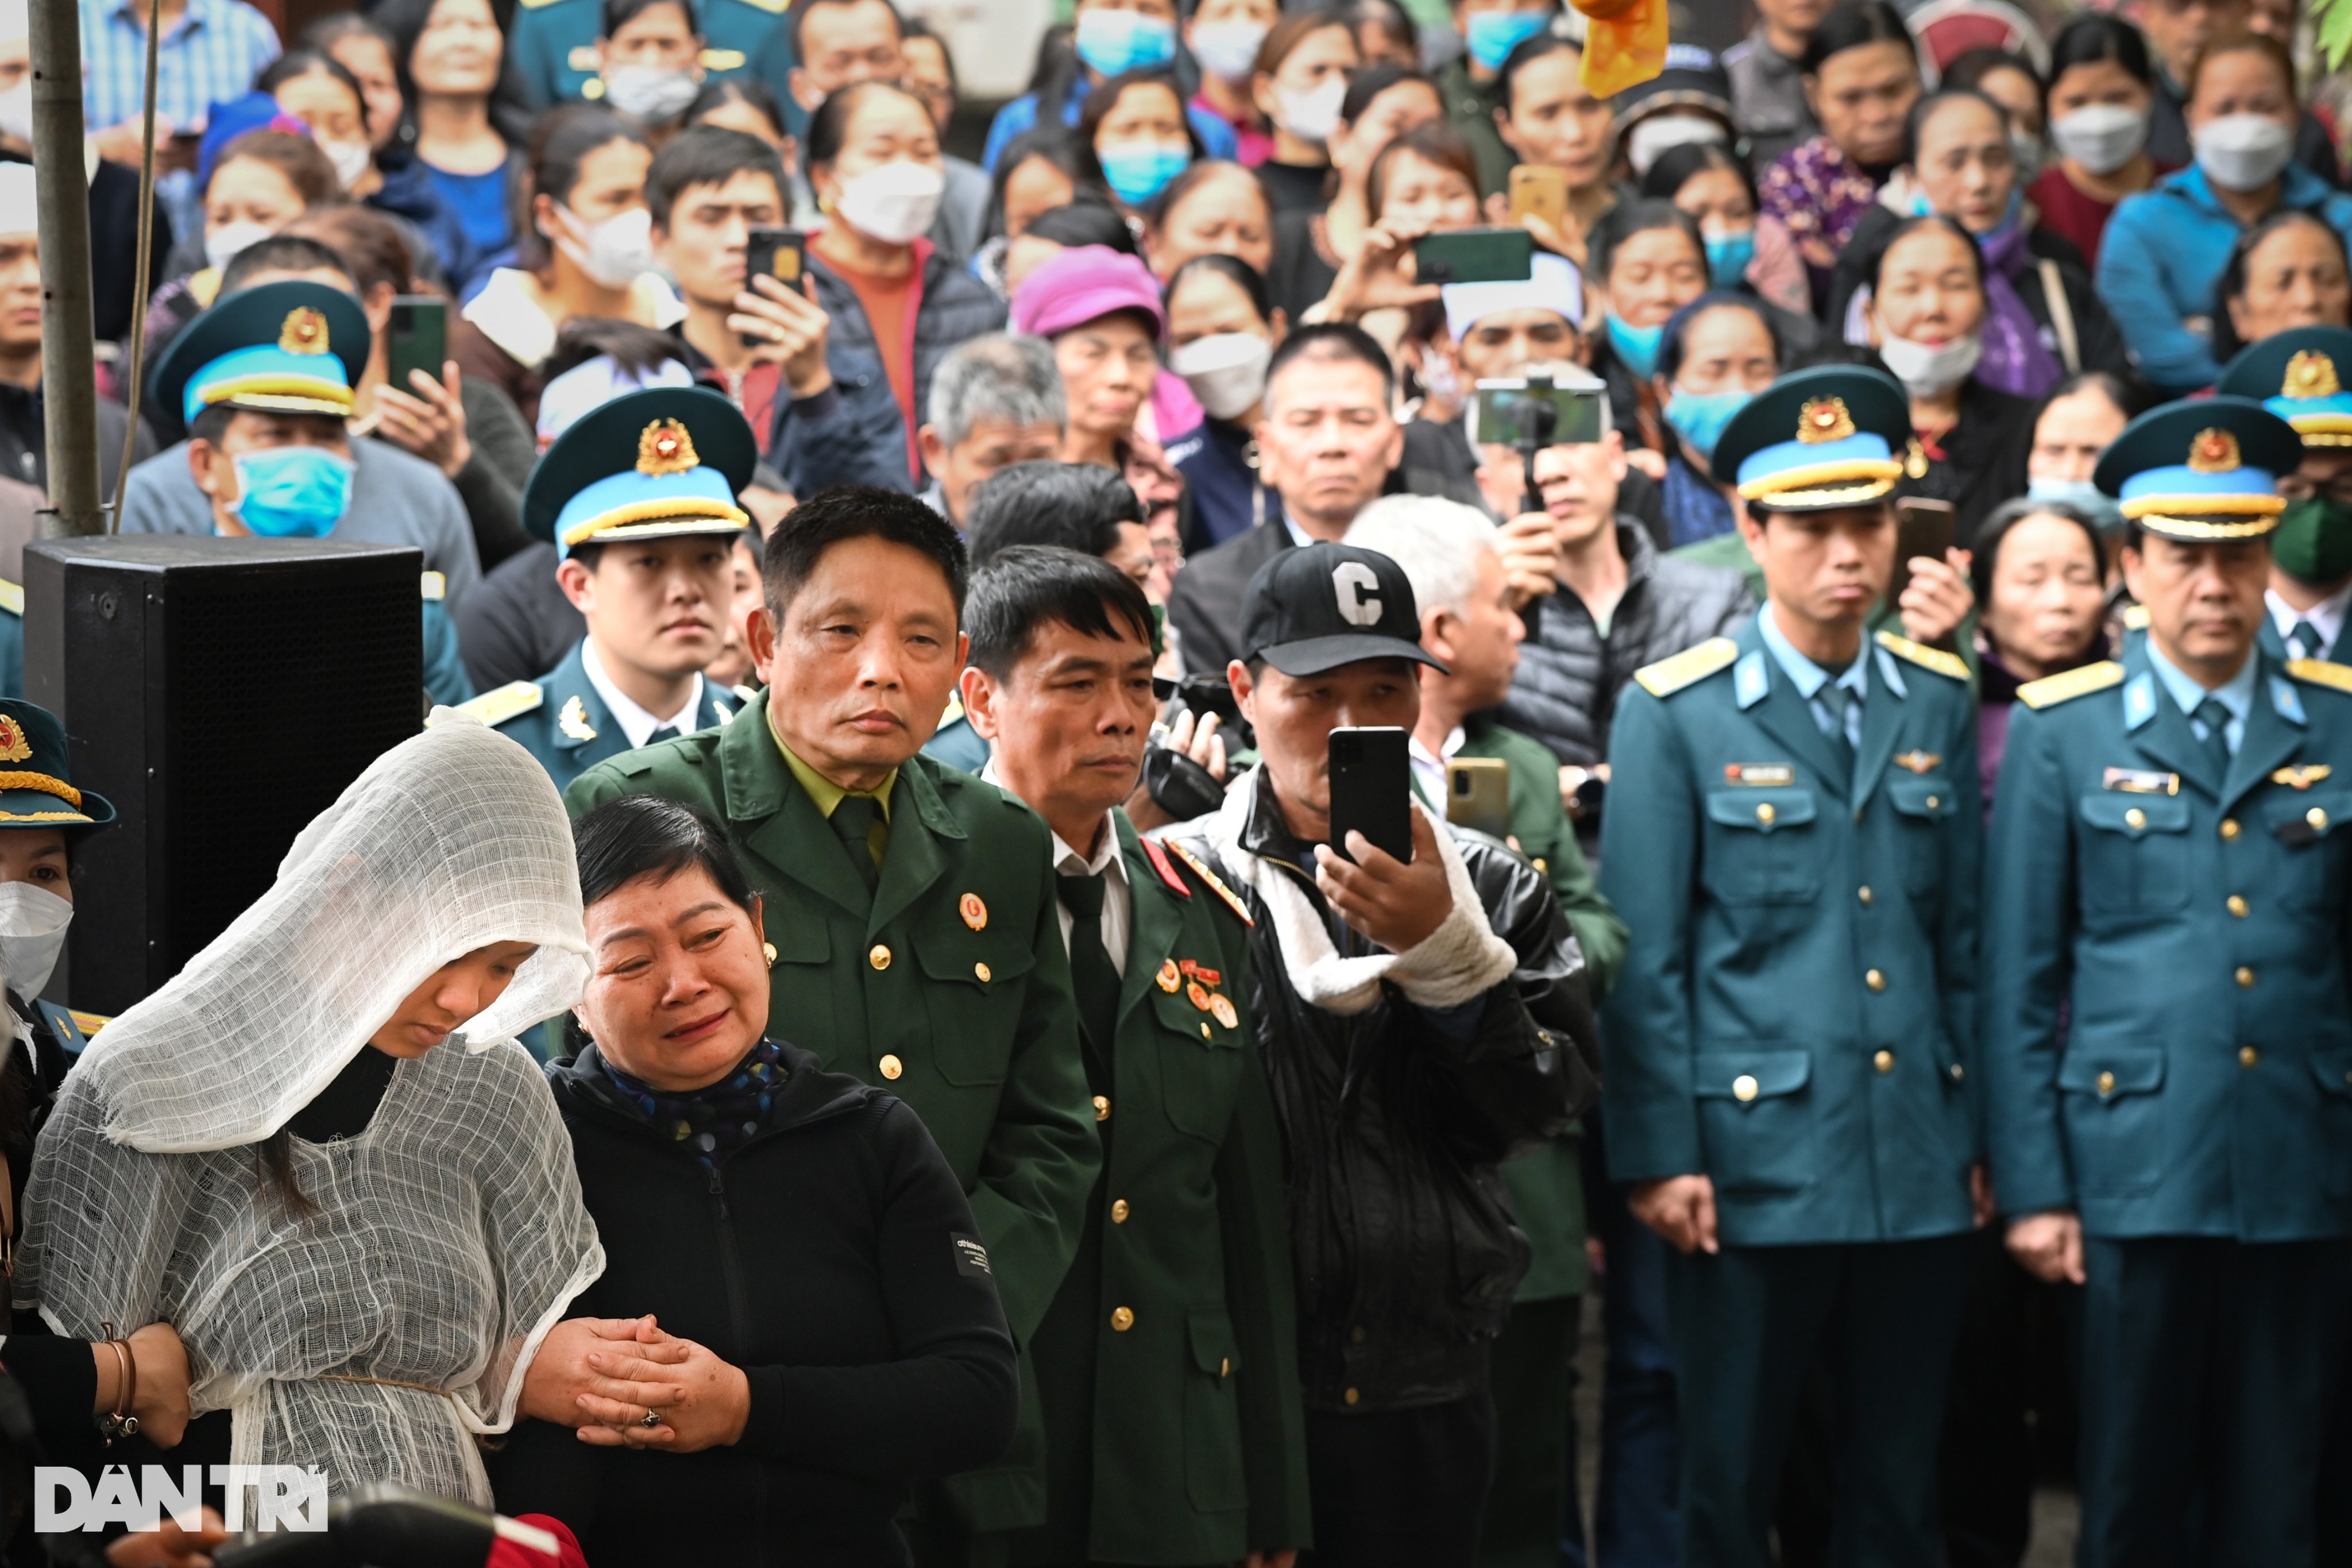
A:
[1402,1239]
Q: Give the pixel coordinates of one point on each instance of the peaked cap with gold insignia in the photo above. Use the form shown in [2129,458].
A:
[290,347]
[2201,470]
[1817,438]
[2299,374]
[36,788]
[662,461]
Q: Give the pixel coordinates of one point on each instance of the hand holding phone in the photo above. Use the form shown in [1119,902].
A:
[1395,903]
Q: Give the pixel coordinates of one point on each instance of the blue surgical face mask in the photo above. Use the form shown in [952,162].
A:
[2101,509]
[1115,41]
[1491,36]
[1636,346]
[291,492]
[1698,417]
[1727,258]
[1137,169]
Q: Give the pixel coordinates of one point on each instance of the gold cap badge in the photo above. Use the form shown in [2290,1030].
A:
[2213,452]
[305,331]
[1824,419]
[2310,373]
[14,747]
[665,449]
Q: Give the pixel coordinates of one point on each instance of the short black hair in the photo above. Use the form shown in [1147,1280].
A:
[645,836]
[305,59]
[828,126]
[1024,586]
[1851,25]
[708,155]
[1077,506]
[1334,340]
[798,22]
[1621,222]
[718,91]
[1248,279]
[619,13]
[281,252]
[855,511]
[1085,219]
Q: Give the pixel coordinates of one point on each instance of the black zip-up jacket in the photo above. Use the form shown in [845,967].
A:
[1394,1126]
[834,1258]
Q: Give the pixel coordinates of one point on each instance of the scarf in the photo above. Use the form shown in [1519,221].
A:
[716,1119]
[2015,360]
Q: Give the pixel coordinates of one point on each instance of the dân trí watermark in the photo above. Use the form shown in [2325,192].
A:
[282,1497]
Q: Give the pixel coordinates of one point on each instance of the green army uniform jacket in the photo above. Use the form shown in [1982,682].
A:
[1470,108]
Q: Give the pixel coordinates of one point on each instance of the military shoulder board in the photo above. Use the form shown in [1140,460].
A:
[2134,617]
[433,584]
[1923,655]
[1669,676]
[1215,884]
[2320,672]
[2069,684]
[498,704]
[12,597]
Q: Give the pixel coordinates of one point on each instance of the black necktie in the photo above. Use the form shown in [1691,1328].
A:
[2303,640]
[2216,720]
[1092,975]
[853,824]
[666,732]
[1837,700]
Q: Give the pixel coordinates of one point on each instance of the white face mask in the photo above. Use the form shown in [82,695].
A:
[1228,50]
[2102,137]
[2242,152]
[613,252]
[894,203]
[221,243]
[651,93]
[1312,115]
[350,159]
[1649,141]
[1927,371]
[16,111]
[1227,371]
[32,924]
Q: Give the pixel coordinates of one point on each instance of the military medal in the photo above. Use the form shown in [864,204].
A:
[2293,777]
[574,720]
[1222,1010]
[1199,995]
[974,912]
[2141,780]
[1168,977]
[1763,775]
[1918,761]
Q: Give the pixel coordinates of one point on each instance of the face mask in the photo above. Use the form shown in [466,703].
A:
[16,111]
[1115,41]
[1636,346]
[1437,377]
[2312,541]
[1227,371]
[1228,50]
[2025,151]
[350,159]
[32,924]
[1137,170]
[221,243]
[1927,372]
[613,252]
[2105,511]
[2242,152]
[1312,115]
[651,93]
[1698,417]
[291,492]
[2102,137]
[1491,36]
[1648,141]
[894,203]
[1727,258]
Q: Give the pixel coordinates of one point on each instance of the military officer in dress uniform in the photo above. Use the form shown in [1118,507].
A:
[2169,858]
[556,56]
[2298,375]
[639,496]
[913,908]
[1167,1365]
[1792,840]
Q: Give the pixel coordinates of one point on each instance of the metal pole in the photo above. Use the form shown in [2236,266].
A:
[69,371]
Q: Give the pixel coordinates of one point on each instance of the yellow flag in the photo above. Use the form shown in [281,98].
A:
[1624,43]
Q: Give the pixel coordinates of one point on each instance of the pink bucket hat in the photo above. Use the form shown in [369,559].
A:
[1082,285]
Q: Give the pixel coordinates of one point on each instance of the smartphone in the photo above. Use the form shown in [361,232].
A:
[1371,789]
[417,339]
[1540,190]
[1922,527]
[778,252]
[1475,256]
[1510,410]
[1478,794]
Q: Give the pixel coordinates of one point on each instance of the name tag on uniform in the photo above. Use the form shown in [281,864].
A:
[2301,777]
[2142,781]
[1763,775]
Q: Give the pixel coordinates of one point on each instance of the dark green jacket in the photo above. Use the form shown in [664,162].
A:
[1187,1423]
[1470,108]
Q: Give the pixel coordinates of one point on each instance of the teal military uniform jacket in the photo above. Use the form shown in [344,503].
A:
[2199,925]
[2274,645]
[956,743]
[561,720]
[446,681]
[554,46]
[12,639]
[1170,1355]
[1795,1014]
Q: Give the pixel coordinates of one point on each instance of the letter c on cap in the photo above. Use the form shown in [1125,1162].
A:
[1357,586]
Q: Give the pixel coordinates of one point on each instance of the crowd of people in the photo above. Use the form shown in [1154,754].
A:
[868,1025]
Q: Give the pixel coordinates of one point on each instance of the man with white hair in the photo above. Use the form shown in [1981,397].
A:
[1449,554]
[996,401]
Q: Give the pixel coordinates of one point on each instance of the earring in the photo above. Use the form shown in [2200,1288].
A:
[769,948]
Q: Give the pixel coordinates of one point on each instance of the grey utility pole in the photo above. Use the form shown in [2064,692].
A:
[68,374]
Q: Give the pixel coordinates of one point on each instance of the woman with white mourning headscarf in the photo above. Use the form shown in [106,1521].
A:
[318,1151]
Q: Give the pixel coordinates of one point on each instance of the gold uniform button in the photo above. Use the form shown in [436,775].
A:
[2230,827]
[1958,1072]
[2247,1056]
[1743,1088]
[2238,905]
[1122,1319]
[1224,1366]
[1765,814]
[878,956]
[1934,800]
[1204,1031]
[892,1067]
[2245,978]
[1864,894]
[1352,1396]
[1876,980]
[1118,1211]
[2134,818]
[1884,1061]
[2317,818]
[2107,1084]
[980,970]
[1102,1108]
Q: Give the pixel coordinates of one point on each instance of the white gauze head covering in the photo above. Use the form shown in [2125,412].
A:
[451,840]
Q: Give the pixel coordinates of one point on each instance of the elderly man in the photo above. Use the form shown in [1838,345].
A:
[996,401]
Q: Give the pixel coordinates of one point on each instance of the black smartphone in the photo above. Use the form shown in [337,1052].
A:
[1477,256]
[1922,527]
[777,252]
[416,338]
[1371,789]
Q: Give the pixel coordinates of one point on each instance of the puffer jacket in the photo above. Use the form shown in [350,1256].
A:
[1570,675]
[1394,1125]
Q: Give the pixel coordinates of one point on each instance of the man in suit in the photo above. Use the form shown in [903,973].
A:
[1791,838]
[2167,863]
[2298,374]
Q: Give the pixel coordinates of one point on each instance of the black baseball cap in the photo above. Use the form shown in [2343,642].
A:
[1312,609]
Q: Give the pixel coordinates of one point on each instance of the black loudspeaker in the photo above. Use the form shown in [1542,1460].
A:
[221,692]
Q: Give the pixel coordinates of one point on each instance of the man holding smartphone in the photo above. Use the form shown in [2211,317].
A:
[1420,1020]
[1792,839]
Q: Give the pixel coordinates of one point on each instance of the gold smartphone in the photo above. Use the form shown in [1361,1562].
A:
[1542,190]
[1478,794]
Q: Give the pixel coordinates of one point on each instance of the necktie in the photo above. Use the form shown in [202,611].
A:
[1837,698]
[2216,720]
[1092,975]
[666,732]
[2303,640]
[853,824]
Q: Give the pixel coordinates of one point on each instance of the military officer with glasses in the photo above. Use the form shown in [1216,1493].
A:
[2298,375]
[2168,1031]
[1792,841]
